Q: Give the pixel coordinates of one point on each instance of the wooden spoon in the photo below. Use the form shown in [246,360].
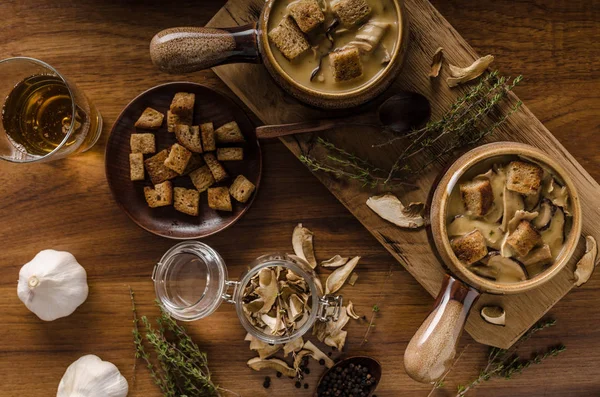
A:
[372,365]
[399,113]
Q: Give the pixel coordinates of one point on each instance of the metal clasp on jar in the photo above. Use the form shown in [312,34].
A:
[329,307]
[228,297]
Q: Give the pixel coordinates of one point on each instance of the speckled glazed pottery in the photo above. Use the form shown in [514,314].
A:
[432,349]
[188,49]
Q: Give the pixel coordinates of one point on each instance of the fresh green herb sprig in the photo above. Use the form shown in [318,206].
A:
[178,368]
[466,123]
[506,363]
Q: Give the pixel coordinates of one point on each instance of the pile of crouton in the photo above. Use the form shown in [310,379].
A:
[523,178]
[195,155]
[290,35]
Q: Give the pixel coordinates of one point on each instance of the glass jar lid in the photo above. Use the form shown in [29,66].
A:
[190,280]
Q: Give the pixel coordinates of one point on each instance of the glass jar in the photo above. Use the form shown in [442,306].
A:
[191,282]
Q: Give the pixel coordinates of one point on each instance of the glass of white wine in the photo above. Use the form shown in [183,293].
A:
[44,116]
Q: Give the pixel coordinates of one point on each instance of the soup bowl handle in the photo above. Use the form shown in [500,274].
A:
[188,49]
[432,349]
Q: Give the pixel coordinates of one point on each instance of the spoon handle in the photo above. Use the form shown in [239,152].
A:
[278,130]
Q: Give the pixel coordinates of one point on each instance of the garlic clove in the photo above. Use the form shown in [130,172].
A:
[52,285]
[91,377]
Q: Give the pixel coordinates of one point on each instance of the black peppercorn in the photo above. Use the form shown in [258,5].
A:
[306,385]
[298,384]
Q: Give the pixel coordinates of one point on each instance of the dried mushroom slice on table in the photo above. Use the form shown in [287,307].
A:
[494,315]
[309,349]
[293,346]
[302,242]
[334,262]
[390,208]
[336,280]
[350,311]
[586,265]
[274,364]
[436,62]
[463,75]
[263,349]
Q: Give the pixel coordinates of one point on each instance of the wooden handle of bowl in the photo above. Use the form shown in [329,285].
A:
[432,349]
[188,49]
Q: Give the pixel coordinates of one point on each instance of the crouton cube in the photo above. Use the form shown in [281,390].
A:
[307,14]
[136,166]
[524,238]
[202,178]
[216,168]
[155,166]
[178,158]
[289,39]
[150,119]
[196,161]
[230,153]
[183,104]
[142,143]
[229,133]
[207,131]
[350,12]
[241,189]
[173,120]
[218,199]
[186,200]
[189,137]
[345,64]
[524,178]
[160,196]
[470,248]
[477,196]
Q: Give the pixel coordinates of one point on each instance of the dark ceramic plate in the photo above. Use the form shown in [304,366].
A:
[166,221]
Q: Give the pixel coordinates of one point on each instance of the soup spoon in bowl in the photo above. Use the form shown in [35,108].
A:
[398,114]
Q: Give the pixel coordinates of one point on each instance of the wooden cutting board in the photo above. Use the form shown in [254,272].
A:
[414,249]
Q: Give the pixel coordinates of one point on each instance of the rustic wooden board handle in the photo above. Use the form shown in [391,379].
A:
[278,130]
[188,49]
[431,350]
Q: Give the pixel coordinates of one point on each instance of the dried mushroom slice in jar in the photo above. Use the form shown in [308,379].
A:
[277,301]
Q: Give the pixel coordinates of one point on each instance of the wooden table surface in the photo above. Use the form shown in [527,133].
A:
[66,205]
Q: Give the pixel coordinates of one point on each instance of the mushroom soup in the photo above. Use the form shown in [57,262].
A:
[507,219]
[333,45]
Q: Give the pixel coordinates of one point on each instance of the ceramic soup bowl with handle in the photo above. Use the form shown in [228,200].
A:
[188,49]
[433,347]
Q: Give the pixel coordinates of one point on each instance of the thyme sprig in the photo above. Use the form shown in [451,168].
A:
[467,122]
[506,363]
[178,368]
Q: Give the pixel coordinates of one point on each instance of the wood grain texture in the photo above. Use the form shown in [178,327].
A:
[103,47]
[166,221]
[428,31]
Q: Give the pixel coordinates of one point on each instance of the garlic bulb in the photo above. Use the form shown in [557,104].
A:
[52,285]
[89,376]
